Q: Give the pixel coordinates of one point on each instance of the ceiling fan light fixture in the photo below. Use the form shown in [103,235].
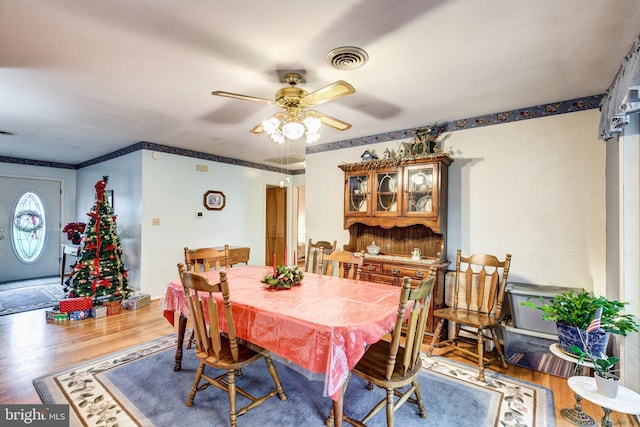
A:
[293,129]
[312,137]
[271,125]
[312,124]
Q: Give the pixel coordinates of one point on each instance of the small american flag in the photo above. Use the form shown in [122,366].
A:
[595,323]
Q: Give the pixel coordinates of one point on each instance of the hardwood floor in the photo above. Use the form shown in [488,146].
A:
[33,347]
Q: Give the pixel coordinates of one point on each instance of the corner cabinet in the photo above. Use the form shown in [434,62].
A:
[401,204]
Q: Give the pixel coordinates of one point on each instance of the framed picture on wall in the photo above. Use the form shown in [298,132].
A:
[214,200]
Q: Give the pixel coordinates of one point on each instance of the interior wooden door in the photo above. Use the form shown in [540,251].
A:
[276,224]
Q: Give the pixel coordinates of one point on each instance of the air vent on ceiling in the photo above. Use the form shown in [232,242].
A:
[347,58]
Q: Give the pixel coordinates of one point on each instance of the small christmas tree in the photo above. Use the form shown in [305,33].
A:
[99,271]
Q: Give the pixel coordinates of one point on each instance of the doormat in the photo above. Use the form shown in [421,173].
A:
[29,298]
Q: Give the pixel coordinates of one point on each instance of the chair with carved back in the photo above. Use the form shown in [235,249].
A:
[393,365]
[314,250]
[478,296]
[204,259]
[218,349]
[342,263]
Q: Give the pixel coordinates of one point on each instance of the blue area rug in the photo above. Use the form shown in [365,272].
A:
[139,387]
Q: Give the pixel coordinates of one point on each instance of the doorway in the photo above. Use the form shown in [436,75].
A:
[30,212]
[276,225]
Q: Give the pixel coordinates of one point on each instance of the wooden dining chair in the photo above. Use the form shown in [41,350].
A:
[314,250]
[204,259]
[396,364]
[342,264]
[218,349]
[478,295]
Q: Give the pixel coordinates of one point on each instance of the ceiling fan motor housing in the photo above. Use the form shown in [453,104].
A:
[291,97]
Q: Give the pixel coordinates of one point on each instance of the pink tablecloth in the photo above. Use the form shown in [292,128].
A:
[322,325]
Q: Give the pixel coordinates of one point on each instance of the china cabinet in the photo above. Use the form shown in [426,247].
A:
[401,193]
[401,205]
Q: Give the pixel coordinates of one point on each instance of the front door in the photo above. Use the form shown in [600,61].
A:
[29,228]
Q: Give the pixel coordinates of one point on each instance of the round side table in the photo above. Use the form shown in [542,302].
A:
[574,415]
[627,401]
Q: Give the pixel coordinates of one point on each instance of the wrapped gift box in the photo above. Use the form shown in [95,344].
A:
[51,314]
[56,316]
[79,315]
[98,312]
[137,302]
[69,305]
[113,307]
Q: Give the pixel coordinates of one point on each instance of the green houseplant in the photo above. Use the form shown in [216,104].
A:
[606,382]
[602,365]
[577,309]
[573,312]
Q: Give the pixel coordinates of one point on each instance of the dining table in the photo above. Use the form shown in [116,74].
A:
[322,325]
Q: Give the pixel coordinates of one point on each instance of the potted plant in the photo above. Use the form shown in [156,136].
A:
[573,313]
[606,382]
[74,231]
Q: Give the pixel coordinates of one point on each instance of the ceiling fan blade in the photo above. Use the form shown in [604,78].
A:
[243,97]
[330,121]
[257,129]
[329,93]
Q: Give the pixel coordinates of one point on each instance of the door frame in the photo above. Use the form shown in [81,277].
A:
[58,227]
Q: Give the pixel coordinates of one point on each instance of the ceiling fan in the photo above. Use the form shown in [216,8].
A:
[296,119]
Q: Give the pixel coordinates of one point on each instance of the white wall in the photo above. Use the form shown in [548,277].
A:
[535,189]
[67,176]
[172,190]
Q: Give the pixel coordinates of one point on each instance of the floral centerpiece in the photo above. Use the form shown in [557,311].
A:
[283,277]
[74,231]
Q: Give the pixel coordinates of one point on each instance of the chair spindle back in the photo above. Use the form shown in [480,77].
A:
[206,312]
[342,264]
[480,282]
[415,323]
[205,259]
[314,253]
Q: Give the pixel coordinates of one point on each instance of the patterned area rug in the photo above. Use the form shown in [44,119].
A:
[139,387]
[32,295]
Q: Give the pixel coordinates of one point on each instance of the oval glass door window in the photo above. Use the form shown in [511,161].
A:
[28,233]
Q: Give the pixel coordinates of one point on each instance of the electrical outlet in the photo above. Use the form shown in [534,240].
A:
[155,221]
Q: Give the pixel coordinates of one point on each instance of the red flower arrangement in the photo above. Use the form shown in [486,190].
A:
[74,231]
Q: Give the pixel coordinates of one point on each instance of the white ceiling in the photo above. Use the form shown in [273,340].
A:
[82,78]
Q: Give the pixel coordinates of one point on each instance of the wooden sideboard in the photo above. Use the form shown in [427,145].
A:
[390,270]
